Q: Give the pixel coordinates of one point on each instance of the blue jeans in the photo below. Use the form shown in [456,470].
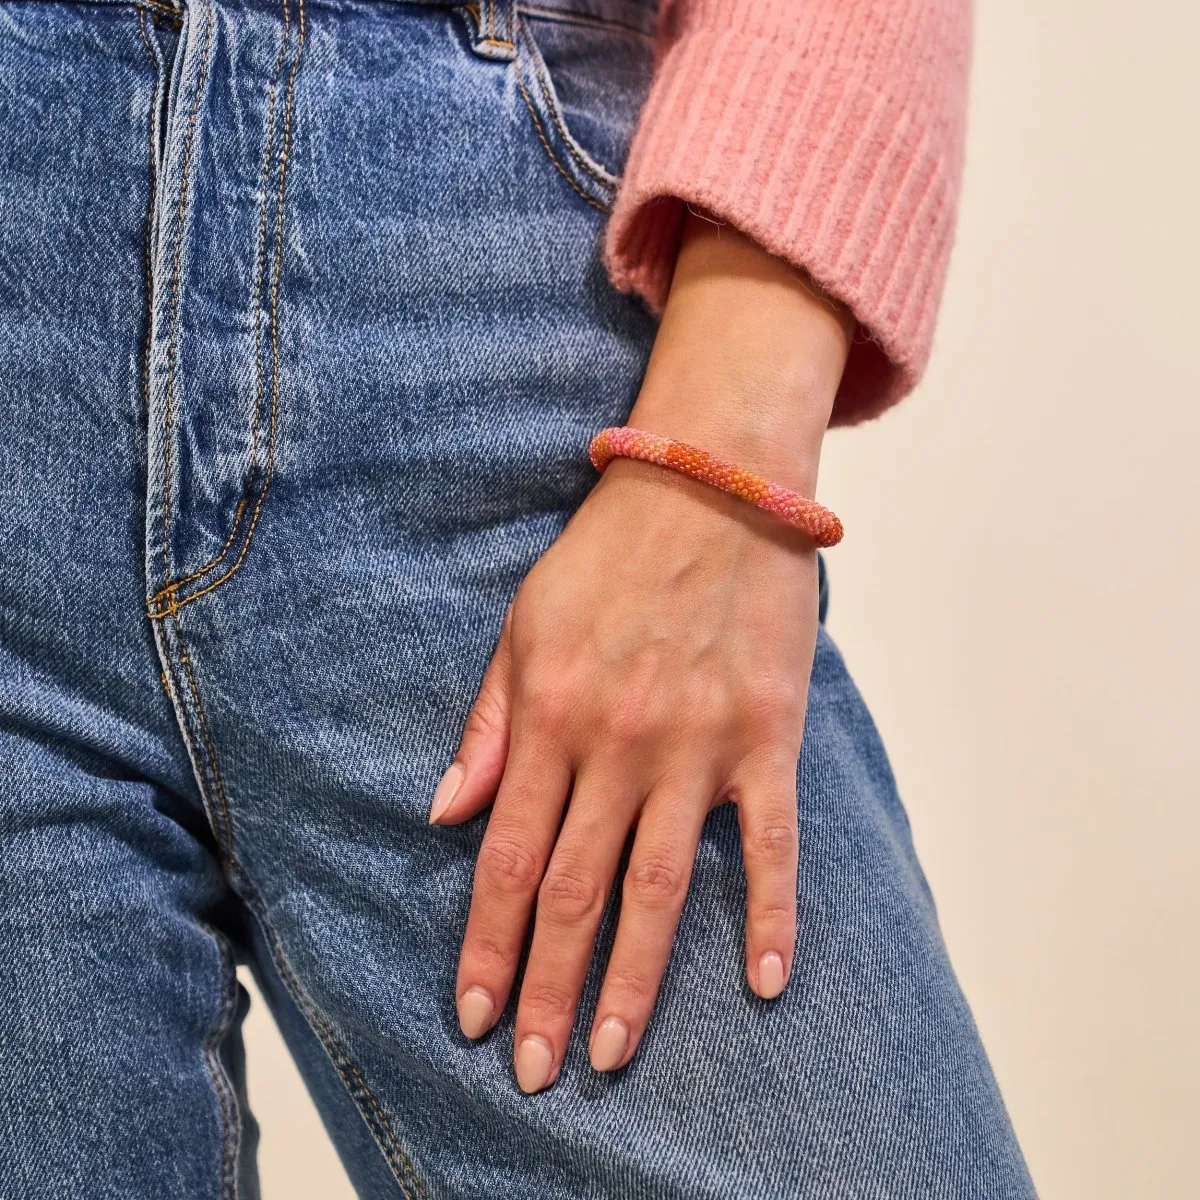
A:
[303,333]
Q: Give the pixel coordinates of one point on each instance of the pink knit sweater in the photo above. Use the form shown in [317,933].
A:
[830,131]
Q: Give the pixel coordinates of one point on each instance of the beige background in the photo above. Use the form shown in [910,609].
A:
[1018,598]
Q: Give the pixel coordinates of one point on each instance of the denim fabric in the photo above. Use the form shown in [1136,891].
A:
[303,332]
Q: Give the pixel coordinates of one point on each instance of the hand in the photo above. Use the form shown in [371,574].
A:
[653,664]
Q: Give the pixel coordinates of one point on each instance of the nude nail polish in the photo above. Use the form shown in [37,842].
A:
[476,1012]
[609,1044]
[770,975]
[447,789]
[534,1062]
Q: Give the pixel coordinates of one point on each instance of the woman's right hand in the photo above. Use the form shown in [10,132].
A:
[654,663]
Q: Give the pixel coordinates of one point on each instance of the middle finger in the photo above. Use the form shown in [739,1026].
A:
[570,902]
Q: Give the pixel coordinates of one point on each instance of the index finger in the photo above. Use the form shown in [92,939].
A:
[511,863]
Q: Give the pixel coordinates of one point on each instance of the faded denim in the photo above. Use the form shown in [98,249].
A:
[303,333]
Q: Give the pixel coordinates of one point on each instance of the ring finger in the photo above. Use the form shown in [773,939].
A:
[570,902]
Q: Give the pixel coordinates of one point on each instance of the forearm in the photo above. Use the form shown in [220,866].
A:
[748,357]
[842,156]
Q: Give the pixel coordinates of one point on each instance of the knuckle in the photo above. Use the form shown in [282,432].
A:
[654,882]
[490,955]
[569,894]
[630,986]
[772,843]
[508,865]
[547,1000]
[774,700]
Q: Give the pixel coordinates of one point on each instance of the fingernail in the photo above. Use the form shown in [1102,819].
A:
[609,1044]
[770,975]
[533,1063]
[476,1009]
[447,789]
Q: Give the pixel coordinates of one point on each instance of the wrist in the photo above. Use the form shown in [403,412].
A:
[781,443]
[748,358]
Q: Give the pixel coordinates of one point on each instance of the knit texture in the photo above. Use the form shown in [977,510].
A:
[831,132]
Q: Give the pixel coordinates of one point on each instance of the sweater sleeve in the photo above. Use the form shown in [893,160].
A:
[831,132]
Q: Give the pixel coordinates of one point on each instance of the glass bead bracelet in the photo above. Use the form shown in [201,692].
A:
[625,441]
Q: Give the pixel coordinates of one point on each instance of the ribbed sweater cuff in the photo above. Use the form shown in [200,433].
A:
[819,154]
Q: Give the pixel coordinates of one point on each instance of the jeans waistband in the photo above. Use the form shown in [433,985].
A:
[494,22]
[641,15]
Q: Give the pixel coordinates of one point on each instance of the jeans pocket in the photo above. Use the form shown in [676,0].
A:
[584,80]
[581,78]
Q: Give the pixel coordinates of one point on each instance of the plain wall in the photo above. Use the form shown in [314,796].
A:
[1018,596]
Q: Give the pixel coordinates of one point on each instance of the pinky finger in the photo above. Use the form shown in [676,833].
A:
[770,845]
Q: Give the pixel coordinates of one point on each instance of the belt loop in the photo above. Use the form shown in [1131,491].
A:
[495,28]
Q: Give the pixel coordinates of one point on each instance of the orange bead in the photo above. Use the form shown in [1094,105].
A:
[625,441]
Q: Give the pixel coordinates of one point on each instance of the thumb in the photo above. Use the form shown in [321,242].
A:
[470,782]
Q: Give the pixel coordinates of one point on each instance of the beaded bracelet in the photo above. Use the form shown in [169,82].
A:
[624,441]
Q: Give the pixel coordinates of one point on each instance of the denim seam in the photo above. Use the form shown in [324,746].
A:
[194,719]
[568,141]
[148,255]
[224,827]
[371,1111]
[541,133]
[211,781]
[213,1069]
[231,1119]
[176,273]
[259,275]
[230,1112]
[167,600]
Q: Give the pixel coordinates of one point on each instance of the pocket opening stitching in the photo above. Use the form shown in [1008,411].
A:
[167,600]
[541,133]
[586,164]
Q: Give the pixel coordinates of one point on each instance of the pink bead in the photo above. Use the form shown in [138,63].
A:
[625,441]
